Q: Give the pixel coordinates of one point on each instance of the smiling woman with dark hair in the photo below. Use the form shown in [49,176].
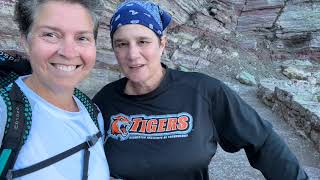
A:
[165,124]
[59,38]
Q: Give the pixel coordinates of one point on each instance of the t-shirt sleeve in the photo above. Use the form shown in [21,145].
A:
[100,121]
[99,99]
[3,118]
[101,125]
[239,126]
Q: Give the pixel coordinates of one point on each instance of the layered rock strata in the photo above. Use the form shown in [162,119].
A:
[297,102]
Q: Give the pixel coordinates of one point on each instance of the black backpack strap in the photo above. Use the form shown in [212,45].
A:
[90,106]
[7,79]
[93,111]
[12,66]
[17,127]
[91,141]
[17,130]
[14,63]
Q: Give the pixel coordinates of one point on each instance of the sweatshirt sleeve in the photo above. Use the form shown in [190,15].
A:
[239,126]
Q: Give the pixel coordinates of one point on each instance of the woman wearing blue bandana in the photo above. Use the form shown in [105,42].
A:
[165,124]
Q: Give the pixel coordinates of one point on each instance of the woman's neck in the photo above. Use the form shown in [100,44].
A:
[133,88]
[60,98]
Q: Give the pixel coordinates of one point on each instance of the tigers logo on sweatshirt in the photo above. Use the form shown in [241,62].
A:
[123,127]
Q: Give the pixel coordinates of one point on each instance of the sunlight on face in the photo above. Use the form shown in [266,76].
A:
[61,45]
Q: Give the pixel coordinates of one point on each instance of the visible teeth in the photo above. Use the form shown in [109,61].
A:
[136,66]
[65,67]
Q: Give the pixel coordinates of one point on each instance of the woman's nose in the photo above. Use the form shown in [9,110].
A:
[68,49]
[133,52]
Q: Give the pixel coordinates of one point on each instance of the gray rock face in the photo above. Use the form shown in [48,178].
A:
[203,30]
[246,78]
[300,17]
[294,73]
[292,27]
[298,30]
[297,102]
[9,33]
[219,37]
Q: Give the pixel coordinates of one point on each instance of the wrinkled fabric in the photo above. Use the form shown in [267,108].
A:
[144,13]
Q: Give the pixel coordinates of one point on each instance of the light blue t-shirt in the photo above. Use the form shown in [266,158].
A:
[53,131]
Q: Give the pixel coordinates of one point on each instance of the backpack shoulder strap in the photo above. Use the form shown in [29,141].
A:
[12,65]
[8,79]
[17,127]
[90,106]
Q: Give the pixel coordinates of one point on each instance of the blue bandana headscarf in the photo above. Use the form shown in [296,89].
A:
[140,12]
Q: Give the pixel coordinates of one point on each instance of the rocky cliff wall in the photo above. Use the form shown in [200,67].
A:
[218,37]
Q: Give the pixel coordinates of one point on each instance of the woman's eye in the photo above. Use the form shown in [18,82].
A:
[143,42]
[86,38]
[119,45]
[50,37]
[83,38]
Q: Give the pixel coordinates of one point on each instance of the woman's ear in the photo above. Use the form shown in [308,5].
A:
[163,43]
[24,43]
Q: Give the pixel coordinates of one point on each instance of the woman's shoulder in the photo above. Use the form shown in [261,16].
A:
[198,82]
[109,89]
[113,85]
[195,78]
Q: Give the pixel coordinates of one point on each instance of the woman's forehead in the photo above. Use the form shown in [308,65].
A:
[64,15]
[132,30]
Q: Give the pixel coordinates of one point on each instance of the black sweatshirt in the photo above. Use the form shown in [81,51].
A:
[172,132]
